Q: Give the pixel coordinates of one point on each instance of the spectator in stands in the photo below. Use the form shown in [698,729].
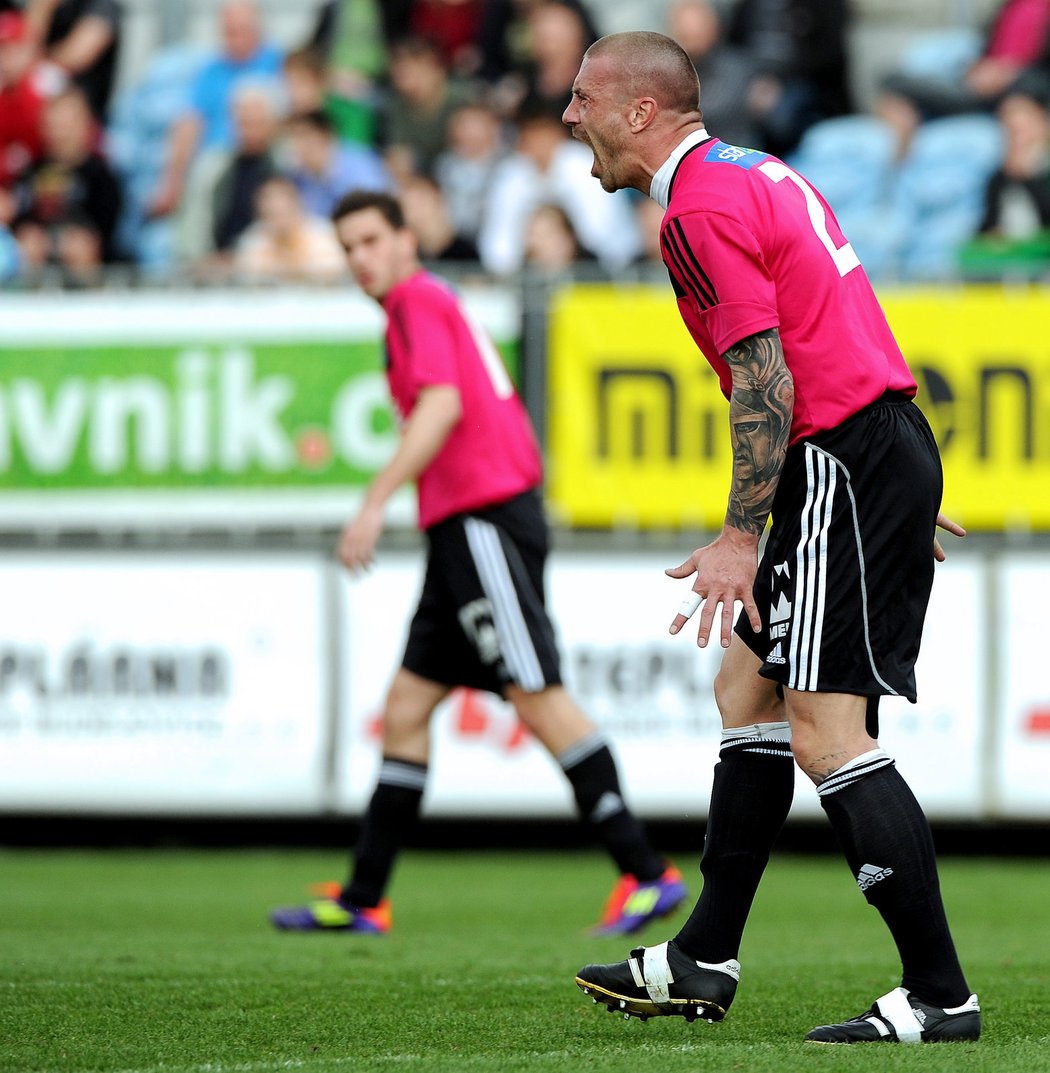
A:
[799,48]
[429,219]
[1014,232]
[1018,39]
[220,203]
[286,244]
[547,166]
[82,38]
[68,201]
[354,36]
[305,81]
[650,216]
[207,124]
[254,162]
[10,253]
[323,168]
[26,83]
[552,247]
[455,27]
[423,96]
[504,39]
[726,72]
[464,170]
[558,38]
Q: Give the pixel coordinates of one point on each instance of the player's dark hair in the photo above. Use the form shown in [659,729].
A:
[361,200]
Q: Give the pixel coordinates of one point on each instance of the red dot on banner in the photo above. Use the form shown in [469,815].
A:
[1038,721]
[314,447]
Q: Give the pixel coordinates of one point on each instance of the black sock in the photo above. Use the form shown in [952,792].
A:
[750,798]
[889,848]
[591,769]
[391,815]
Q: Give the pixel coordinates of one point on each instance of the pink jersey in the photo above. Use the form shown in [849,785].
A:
[750,245]
[492,453]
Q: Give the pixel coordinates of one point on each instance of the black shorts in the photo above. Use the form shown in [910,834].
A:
[482,619]
[846,573]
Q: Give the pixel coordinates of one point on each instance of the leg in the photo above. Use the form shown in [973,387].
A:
[750,798]
[394,807]
[391,815]
[884,835]
[696,973]
[579,747]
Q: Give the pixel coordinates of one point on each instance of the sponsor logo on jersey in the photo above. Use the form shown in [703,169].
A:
[720,153]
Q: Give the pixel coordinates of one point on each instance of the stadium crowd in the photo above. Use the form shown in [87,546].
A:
[223,164]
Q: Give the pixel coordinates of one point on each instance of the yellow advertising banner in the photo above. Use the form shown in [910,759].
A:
[638,428]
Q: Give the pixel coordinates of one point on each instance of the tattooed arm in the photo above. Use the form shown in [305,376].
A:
[760,409]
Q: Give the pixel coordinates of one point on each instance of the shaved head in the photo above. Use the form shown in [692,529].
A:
[635,98]
[652,65]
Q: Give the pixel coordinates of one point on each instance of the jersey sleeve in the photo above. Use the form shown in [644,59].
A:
[717,263]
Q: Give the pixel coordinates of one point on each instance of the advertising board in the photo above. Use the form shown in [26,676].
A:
[139,684]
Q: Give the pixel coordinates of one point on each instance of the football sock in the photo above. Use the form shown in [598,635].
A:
[391,815]
[750,798]
[887,842]
[591,770]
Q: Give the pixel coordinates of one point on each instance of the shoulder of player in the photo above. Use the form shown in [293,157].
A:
[423,294]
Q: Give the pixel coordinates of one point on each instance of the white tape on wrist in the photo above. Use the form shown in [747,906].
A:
[690,604]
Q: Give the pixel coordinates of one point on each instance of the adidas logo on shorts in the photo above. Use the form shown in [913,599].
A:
[777,655]
[870,874]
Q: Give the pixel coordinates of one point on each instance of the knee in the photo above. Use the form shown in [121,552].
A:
[743,700]
[404,716]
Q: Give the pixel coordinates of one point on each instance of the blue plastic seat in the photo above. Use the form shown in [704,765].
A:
[848,159]
[940,188]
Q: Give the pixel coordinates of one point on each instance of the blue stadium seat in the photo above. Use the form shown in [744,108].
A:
[941,55]
[849,160]
[940,191]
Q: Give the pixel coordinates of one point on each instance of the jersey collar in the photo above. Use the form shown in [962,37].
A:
[660,188]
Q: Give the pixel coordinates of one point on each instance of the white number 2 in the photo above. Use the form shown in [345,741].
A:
[843,256]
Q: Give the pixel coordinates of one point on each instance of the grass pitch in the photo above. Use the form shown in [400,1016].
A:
[163,962]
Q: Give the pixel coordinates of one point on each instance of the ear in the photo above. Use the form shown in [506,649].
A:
[641,113]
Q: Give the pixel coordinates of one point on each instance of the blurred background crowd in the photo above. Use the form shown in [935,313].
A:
[208,141]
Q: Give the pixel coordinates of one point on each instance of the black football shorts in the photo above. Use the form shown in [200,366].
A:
[482,620]
[845,576]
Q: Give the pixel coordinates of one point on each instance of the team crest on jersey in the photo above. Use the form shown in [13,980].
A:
[721,153]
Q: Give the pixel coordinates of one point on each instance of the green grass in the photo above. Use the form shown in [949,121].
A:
[162,962]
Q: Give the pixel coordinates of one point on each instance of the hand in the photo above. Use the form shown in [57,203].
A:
[357,542]
[165,199]
[945,523]
[725,572]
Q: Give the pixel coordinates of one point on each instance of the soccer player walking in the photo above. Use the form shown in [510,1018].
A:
[481,622]
[827,441]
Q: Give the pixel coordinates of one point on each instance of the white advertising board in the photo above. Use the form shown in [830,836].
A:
[146,684]
[1023,719]
[651,693]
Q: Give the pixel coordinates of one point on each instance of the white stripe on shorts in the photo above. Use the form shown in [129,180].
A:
[519,653]
[811,559]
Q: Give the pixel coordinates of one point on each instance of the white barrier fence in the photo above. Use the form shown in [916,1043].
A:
[223,683]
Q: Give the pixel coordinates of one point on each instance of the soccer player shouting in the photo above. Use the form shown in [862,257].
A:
[827,441]
[467,442]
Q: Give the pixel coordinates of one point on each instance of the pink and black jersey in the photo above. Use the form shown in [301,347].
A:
[750,245]
[492,453]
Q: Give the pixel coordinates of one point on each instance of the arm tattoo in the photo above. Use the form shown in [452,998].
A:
[760,409]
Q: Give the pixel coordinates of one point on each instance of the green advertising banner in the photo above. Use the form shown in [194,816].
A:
[259,407]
